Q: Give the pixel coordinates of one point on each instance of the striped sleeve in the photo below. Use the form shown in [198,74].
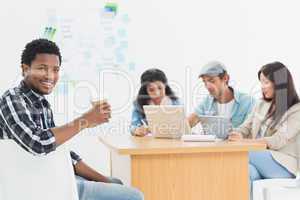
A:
[75,157]
[23,129]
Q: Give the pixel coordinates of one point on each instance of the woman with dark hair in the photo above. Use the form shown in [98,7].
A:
[154,91]
[275,123]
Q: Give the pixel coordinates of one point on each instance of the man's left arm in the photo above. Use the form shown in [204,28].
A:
[85,171]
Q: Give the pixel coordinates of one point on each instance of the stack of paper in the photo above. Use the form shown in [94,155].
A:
[198,138]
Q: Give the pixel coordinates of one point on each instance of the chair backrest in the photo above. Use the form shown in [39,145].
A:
[262,188]
[25,176]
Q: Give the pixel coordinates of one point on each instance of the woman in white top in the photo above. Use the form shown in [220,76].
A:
[275,122]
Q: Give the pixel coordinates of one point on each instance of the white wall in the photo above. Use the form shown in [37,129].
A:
[176,36]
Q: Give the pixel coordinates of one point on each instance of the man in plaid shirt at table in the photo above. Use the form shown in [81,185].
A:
[27,118]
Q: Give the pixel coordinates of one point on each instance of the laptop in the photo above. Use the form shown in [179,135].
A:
[167,121]
[216,125]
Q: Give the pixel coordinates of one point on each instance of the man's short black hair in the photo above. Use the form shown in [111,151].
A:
[39,46]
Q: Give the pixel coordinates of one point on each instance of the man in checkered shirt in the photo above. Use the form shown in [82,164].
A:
[27,118]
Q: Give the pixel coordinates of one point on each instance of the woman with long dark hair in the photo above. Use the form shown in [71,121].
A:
[274,122]
[154,90]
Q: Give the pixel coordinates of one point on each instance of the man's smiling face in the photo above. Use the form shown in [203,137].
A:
[43,73]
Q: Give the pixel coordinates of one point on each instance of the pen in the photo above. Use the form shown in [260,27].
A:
[144,123]
[146,126]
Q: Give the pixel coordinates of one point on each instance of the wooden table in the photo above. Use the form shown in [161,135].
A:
[169,169]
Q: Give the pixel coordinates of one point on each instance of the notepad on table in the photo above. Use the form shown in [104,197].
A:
[198,138]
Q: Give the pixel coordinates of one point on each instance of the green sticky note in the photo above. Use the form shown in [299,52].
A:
[112,7]
[52,33]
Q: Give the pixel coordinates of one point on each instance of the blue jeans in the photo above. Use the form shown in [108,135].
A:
[263,166]
[90,190]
